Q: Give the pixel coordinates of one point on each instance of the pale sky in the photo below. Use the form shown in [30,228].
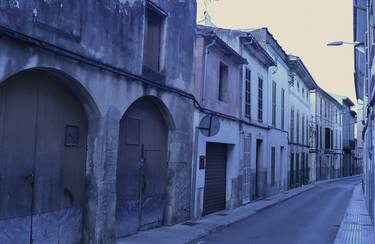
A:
[302,28]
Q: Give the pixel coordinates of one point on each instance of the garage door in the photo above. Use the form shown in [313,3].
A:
[215,178]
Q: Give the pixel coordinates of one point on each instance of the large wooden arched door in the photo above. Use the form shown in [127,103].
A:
[141,168]
[43,132]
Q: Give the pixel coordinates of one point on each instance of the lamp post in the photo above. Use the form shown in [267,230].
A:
[360,46]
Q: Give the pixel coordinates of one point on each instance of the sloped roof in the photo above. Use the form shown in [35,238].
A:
[209,33]
[296,64]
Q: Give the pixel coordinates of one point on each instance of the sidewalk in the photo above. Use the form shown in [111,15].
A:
[356,226]
[194,230]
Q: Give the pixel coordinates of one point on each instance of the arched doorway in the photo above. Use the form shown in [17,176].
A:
[43,133]
[141,168]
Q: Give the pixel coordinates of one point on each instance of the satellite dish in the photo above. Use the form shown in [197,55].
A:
[209,125]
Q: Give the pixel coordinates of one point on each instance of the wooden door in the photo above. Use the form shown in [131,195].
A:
[42,161]
[142,169]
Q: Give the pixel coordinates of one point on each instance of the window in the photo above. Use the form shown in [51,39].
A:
[223,83]
[291,178]
[307,130]
[303,129]
[282,109]
[303,92]
[153,39]
[321,107]
[291,125]
[274,104]
[248,93]
[297,128]
[329,112]
[335,142]
[327,134]
[316,144]
[297,169]
[298,86]
[303,169]
[321,137]
[325,109]
[336,116]
[273,165]
[260,99]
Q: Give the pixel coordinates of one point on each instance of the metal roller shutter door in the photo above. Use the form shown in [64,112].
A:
[215,178]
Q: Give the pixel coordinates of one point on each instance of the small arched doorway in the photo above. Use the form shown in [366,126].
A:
[43,133]
[141,168]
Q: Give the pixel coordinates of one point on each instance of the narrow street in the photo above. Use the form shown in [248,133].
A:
[312,217]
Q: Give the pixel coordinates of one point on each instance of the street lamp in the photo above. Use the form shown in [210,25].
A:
[360,46]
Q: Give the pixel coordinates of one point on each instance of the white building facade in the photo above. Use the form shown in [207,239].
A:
[278,96]
[327,129]
[216,170]
[302,166]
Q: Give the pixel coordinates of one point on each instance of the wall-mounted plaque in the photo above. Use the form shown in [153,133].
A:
[71,136]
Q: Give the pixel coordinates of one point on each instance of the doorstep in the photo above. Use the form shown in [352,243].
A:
[196,229]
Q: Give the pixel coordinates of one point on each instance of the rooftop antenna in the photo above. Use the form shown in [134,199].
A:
[207,20]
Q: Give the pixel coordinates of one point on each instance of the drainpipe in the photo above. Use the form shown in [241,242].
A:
[206,52]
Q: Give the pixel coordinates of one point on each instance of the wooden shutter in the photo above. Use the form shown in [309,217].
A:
[152,42]
[246,169]
[248,93]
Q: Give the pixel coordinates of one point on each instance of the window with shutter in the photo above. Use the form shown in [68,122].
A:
[291,126]
[248,93]
[282,109]
[274,104]
[260,99]
[303,129]
[223,83]
[297,128]
[153,38]
[273,165]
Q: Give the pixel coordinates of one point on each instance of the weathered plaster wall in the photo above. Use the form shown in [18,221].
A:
[111,32]
[211,84]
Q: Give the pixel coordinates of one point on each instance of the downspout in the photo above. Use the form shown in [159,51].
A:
[240,127]
[206,52]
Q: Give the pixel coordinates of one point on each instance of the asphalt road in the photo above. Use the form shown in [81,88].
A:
[312,217]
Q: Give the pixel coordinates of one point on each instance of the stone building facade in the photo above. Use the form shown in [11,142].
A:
[79,83]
